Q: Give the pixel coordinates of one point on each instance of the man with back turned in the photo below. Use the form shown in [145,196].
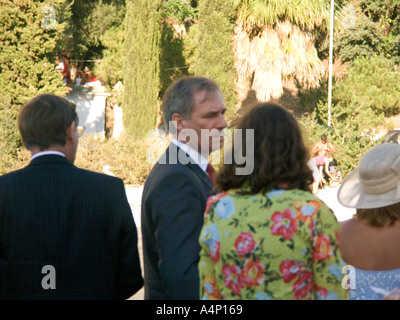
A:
[65,232]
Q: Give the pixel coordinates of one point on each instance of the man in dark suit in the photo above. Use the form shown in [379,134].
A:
[65,232]
[176,190]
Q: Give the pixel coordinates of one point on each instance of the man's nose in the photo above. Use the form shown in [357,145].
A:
[222,122]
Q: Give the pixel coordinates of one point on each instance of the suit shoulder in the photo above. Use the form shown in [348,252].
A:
[11,175]
[178,173]
[93,175]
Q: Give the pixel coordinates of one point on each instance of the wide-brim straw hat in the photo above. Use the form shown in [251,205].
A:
[375,183]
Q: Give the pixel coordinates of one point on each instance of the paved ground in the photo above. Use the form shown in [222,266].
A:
[134,194]
[329,196]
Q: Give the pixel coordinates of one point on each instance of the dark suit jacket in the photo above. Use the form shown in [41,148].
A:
[173,203]
[77,221]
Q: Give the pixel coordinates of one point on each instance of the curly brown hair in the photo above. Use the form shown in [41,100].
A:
[280,155]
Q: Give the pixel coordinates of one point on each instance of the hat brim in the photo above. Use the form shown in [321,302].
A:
[351,195]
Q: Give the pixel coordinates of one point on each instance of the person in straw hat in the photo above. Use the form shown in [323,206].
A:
[370,239]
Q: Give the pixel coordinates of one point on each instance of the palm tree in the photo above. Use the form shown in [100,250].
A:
[273,43]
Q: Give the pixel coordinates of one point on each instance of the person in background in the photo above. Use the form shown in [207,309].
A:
[65,232]
[80,77]
[176,190]
[336,178]
[370,239]
[90,79]
[266,236]
[316,176]
[323,147]
[66,71]
[321,153]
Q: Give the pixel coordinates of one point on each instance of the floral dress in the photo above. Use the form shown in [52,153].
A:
[279,245]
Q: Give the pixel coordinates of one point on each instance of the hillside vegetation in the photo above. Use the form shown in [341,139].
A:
[257,50]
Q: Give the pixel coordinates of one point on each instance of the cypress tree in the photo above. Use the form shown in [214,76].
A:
[214,57]
[29,31]
[141,66]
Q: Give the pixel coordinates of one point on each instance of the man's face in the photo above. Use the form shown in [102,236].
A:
[206,121]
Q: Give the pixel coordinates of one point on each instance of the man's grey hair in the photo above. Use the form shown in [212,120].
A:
[179,97]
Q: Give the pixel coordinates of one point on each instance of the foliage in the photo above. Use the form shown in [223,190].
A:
[213,55]
[13,161]
[93,37]
[26,49]
[10,140]
[110,70]
[125,156]
[95,153]
[172,62]
[274,43]
[305,14]
[90,20]
[386,14]
[141,66]
[350,133]
[179,10]
[371,83]
[365,40]
[190,45]
[361,101]
[29,32]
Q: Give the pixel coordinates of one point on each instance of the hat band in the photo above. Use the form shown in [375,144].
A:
[382,188]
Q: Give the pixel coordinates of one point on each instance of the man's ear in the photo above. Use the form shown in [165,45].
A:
[71,133]
[179,121]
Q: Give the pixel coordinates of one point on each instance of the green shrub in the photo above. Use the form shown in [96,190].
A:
[141,66]
[210,50]
[351,132]
[126,157]
[29,32]
[372,83]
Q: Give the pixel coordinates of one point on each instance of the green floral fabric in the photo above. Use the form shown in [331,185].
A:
[279,245]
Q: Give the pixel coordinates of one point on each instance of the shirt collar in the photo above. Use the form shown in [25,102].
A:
[201,161]
[48,152]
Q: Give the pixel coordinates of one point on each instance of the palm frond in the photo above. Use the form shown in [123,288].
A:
[304,13]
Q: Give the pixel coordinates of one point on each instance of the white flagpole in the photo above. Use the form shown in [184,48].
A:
[330,63]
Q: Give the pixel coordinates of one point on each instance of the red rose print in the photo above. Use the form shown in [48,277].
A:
[214,199]
[245,244]
[252,273]
[322,248]
[214,254]
[303,285]
[290,269]
[232,278]
[285,224]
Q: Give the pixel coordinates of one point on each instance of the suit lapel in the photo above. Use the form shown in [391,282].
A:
[175,155]
[202,175]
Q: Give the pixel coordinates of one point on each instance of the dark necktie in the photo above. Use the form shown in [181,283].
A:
[211,172]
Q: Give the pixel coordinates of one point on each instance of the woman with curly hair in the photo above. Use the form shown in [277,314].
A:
[266,236]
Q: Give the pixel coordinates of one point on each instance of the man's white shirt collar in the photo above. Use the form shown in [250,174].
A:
[45,153]
[201,161]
